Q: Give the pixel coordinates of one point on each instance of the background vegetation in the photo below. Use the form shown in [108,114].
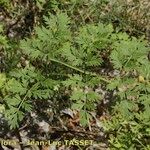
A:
[75,69]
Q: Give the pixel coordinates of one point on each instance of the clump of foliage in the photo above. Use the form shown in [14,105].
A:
[53,45]
[129,119]
[5,3]
[57,60]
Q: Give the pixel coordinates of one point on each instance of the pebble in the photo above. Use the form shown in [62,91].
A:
[1,17]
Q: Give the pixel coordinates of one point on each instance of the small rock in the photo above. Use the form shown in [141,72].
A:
[44,126]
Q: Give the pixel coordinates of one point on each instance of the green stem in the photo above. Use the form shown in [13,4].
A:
[128,61]
[26,96]
[67,65]
[79,70]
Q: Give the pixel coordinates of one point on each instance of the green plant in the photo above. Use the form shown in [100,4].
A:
[58,60]
[54,44]
[5,3]
[129,125]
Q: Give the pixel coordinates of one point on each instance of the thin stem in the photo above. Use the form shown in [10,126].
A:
[26,96]
[79,70]
[128,61]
